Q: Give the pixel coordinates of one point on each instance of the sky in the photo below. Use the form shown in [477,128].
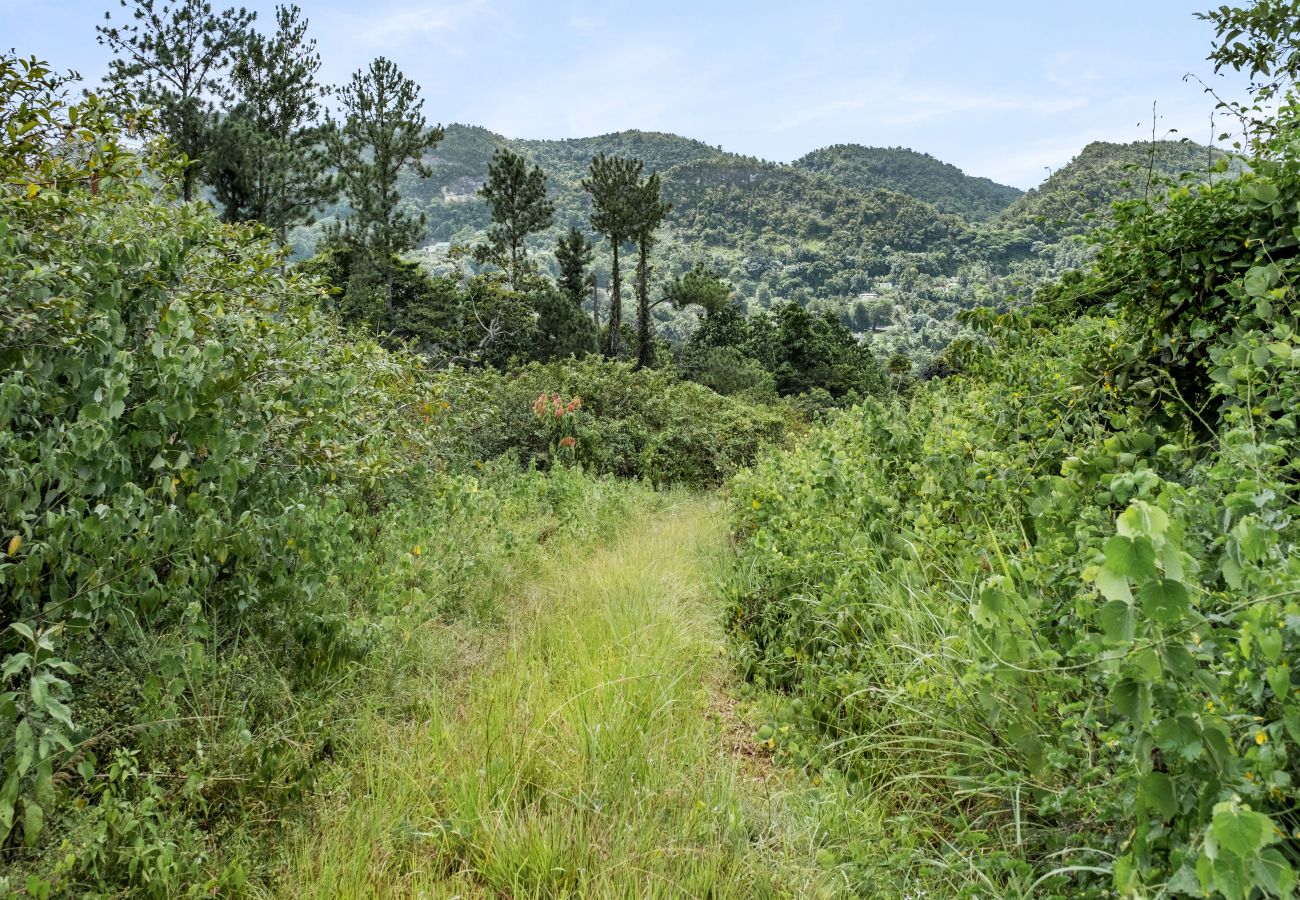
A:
[1005,89]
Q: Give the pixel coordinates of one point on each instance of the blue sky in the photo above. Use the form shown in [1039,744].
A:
[1001,88]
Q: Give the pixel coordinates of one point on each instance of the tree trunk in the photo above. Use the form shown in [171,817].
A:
[595,303]
[615,309]
[644,350]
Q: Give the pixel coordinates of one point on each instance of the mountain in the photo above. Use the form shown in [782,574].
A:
[896,242]
[915,174]
[1077,197]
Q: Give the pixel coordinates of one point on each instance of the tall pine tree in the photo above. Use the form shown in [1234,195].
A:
[383,132]
[612,181]
[516,195]
[173,56]
[648,212]
[271,164]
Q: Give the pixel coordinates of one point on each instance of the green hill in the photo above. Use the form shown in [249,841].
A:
[915,174]
[895,241]
[1077,197]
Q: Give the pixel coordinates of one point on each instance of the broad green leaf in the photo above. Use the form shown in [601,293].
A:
[1113,587]
[1133,699]
[1239,830]
[33,822]
[1179,736]
[1141,518]
[14,664]
[1118,620]
[1134,557]
[1156,793]
[1273,872]
[1164,600]
[24,746]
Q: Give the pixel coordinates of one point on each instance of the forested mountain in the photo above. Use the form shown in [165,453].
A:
[460,163]
[918,175]
[1077,197]
[893,241]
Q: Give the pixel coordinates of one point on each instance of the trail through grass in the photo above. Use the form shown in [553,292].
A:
[585,756]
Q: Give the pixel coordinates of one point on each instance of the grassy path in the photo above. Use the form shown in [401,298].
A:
[583,758]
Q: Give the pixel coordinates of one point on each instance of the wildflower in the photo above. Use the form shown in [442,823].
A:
[1260,738]
[416,549]
[568,441]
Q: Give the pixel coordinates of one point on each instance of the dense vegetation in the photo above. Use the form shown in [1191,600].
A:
[1022,626]
[892,242]
[918,175]
[204,471]
[1046,608]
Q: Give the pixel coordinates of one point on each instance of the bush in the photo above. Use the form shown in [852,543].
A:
[1047,607]
[632,423]
[181,434]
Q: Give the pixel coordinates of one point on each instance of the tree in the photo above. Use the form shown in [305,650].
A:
[383,132]
[1262,40]
[562,328]
[574,253]
[173,56]
[516,195]
[271,164]
[611,182]
[700,287]
[648,212]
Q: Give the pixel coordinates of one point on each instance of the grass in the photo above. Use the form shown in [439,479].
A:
[583,755]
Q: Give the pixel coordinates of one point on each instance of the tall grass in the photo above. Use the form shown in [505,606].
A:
[580,760]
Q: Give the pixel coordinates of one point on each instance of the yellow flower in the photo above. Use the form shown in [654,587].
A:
[1260,738]
[756,504]
[416,550]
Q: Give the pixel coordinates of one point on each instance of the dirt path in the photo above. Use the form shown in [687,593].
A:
[596,755]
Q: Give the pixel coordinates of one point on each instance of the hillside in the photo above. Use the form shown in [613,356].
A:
[1077,197]
[915,174]
[894,241]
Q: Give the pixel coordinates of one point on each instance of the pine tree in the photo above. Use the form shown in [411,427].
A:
[611,181]
[648,212]
[383,132]
[173,56]
[516,195]
[574,253]
[271,166]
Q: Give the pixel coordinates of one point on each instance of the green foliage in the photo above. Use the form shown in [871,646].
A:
[633,423]
[647,210]
[383,133]
[516,196]
[1262,40]
[269,164]
[181,432]
[1047,609]
[173,57]
[700,287]
[573,254]
[612,183]
[917,175]
[800,353]
[1078,196]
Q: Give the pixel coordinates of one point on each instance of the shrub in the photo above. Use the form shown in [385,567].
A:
[1047,607]
[180,432]
[632,423]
